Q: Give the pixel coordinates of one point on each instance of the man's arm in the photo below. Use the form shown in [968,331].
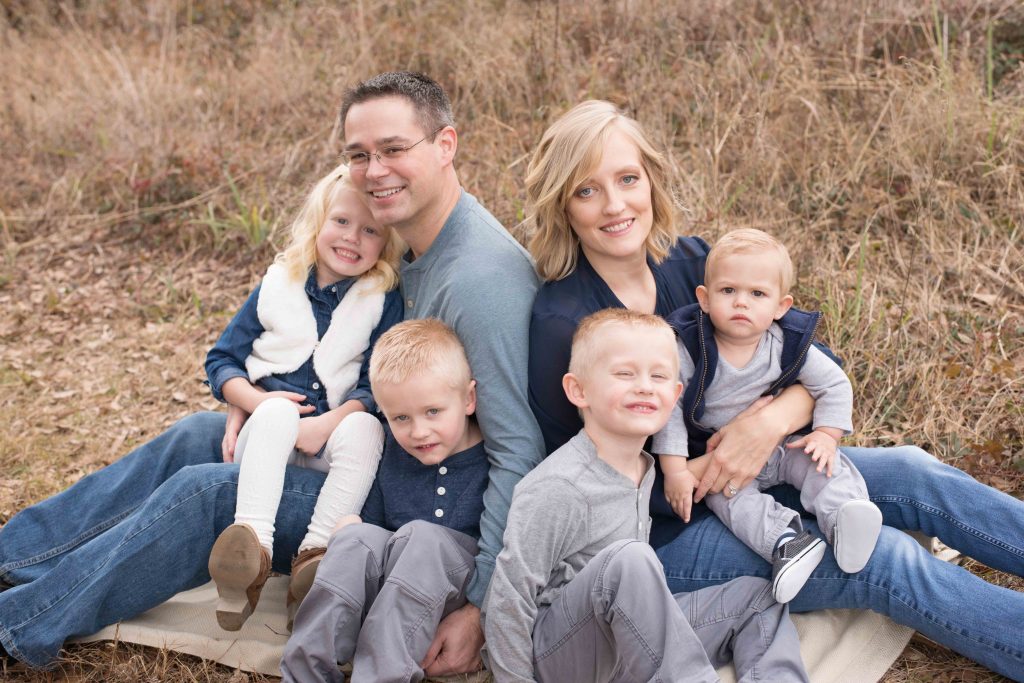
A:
[492,317]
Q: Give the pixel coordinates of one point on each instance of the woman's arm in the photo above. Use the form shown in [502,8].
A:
[740,449]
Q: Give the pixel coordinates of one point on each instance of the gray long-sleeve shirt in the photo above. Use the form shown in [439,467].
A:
[734,389]
[478,280]
[564,512]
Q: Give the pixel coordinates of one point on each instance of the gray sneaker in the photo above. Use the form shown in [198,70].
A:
[792,564]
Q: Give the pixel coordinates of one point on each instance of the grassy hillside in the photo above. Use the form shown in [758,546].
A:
[150,150]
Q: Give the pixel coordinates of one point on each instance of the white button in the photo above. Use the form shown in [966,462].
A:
[316,385]
[408,302]
[333,288]
[439,512]
[442,470]
[440,490]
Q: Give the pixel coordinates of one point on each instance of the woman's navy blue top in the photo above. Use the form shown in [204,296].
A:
[560,306]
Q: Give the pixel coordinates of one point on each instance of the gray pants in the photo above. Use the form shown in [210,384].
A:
[617,621]
[758,520]
[376,601]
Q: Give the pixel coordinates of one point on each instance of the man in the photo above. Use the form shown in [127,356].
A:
[130,536]
[464,268]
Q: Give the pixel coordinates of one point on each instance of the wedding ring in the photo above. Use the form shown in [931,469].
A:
[732,489]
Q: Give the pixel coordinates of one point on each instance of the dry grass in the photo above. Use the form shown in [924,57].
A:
[148,147]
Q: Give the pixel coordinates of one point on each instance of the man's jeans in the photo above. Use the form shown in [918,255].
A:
[914,492]
[128,537]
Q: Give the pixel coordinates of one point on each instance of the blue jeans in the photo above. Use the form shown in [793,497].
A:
[914,492]
[128,537]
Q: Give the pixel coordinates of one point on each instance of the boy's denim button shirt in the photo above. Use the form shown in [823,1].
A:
[450,493]
[227,357]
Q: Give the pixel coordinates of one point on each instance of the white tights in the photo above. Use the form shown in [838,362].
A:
[266,445]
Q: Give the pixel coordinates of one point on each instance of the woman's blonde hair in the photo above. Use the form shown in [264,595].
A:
[569,151]
[300,254]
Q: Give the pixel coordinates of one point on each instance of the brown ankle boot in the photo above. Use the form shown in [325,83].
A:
[303,572]
[239,566]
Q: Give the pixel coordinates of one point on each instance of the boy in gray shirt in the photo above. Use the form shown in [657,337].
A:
[755,345]
[577,593]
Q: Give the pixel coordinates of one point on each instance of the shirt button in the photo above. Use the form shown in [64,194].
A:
[442,470]
[408,302]
[439,512]
[333,288]
[316,385]
[440,490]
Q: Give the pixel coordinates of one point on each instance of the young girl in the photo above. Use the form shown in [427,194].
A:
[300,348]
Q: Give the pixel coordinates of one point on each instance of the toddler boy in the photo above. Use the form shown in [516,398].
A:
[389,577]
[577,593]
[754,345]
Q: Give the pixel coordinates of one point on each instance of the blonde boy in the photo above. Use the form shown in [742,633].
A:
[742,341]
[577,593]
[406,561]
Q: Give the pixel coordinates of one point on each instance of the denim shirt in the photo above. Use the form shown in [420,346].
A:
[450,493]
[227,357]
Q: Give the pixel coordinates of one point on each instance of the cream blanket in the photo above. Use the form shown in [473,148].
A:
[837,645]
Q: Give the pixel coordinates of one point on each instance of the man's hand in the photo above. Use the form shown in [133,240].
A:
[313,433]
[679,492]
[738,451]
[457,643]
[821,446]
[236,418]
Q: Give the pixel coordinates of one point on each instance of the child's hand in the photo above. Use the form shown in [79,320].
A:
[821,447]
[294,396]
[313,433]
[679,488]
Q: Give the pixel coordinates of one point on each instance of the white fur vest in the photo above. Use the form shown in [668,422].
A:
[290,335]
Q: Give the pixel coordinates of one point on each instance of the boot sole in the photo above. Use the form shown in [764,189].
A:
[234,566]
[858,524]
[788,582]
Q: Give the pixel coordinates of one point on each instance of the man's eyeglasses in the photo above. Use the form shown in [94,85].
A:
[385,155]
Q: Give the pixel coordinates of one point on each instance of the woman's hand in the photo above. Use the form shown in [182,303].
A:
[739,450]
[236,418]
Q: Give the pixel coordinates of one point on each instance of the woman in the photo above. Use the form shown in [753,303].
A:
[602,231]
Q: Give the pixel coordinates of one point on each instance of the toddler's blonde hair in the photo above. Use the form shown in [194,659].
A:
[751,241]
[300,254]
[417,346]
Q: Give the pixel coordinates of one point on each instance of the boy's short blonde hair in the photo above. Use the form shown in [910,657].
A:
[568,153]
[417,346]
[300,254]
[751,241]
[585,346]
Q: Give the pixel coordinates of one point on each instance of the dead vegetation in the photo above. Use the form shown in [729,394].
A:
[150,148]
